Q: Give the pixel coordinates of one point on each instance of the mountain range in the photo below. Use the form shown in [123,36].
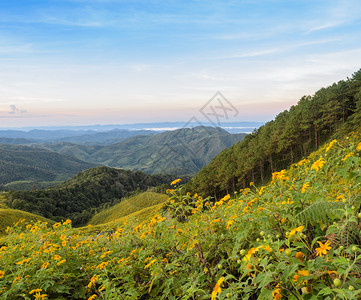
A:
[184,151]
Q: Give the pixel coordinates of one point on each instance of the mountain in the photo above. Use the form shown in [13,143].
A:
[41,135]
[81,137]
[16,141]
[294,134]
[36,164]
[79,197]
[104,138]
[182,151]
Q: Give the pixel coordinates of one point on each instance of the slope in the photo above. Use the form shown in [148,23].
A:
[128,206]
[297,237]
[9,217]
[292,135]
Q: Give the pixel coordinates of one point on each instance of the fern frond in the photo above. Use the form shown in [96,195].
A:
[319,211]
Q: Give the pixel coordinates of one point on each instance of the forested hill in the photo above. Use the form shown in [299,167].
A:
[79,197]
[293,134]
[37,164]
[183,151]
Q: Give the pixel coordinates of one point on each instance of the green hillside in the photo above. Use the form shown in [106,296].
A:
[128,206]
[23,163]
[81,196]
[297,237]
[9,217]
[294,134]
[184,151]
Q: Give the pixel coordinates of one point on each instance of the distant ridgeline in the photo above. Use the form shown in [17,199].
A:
[80,197]
[181,152]
[22,163]
[277,144]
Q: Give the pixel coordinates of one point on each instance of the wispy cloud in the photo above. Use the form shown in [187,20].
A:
[325,26]
[15,110]
[249,54]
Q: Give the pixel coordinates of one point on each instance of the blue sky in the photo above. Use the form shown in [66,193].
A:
[115,61]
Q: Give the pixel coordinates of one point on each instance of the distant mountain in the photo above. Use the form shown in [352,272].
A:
[105,138]
[79,197]
[36,164]
[234,127]
[40,135]
[82,137]
[184,151]
[16,141]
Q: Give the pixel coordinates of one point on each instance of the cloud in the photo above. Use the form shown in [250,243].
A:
[14,110]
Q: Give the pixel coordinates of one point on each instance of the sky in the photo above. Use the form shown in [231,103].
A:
[80,62]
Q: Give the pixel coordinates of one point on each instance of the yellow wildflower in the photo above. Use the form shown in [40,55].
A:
[17,278]
[294,231]
[56,257]
[225,198]
[92,297]
[217,288]
[61,262]
[322,250]
[23,261]
[38,295]
[176,181]
[102,265]
[56,225]
[330,145]
[45,265]
[94,279]
[348,155]
[276,294]
[68,221]
[358,147]
[107,253]
[300,256]
[261,190]
[318,164]
[151,262]
[301,273]
[2,273]
[301,162]
[229,223]
[304,187]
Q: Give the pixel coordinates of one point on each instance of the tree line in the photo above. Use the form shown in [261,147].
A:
[293,134]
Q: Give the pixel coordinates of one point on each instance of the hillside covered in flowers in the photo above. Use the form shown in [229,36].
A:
[297,237]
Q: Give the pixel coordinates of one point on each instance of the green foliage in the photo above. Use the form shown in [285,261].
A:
[251,245]
[80,197]
[19,163]
[292,135]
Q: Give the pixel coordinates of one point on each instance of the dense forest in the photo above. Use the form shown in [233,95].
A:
[36,164]
[293,134]
[80,197]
